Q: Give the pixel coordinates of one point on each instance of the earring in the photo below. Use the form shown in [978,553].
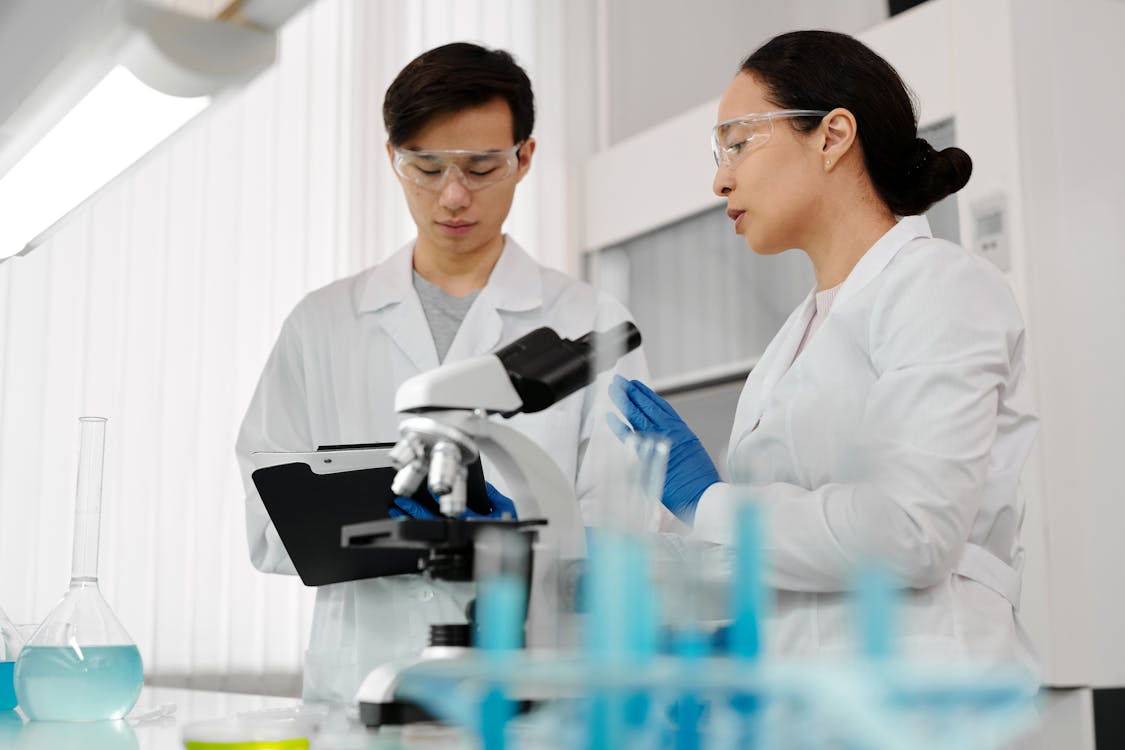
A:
[826,162]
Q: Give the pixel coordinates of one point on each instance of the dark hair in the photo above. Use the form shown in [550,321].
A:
[824,70]
[452,78]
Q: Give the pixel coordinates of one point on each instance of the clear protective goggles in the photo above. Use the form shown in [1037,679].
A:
[732,139]
[475,169]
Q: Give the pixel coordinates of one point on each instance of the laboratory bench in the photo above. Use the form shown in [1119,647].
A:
[343,732]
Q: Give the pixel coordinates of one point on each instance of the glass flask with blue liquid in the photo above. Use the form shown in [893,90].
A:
[80,664]
[10,644]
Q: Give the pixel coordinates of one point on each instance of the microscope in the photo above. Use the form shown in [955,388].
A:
[450,427]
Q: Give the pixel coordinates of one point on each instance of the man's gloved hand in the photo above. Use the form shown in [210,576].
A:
[502,507]
[690,470]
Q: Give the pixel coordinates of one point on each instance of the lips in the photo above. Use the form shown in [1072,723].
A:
[456,227]
[735,216]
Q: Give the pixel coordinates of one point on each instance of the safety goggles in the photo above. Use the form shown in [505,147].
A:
[732,139]
[475,169]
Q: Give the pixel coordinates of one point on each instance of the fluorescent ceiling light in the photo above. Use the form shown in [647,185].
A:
[125,75]
[119,121]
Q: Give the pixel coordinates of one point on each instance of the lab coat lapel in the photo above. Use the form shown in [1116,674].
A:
[389,294]
[879,255]
[514,285]
[765,375]
[775,360]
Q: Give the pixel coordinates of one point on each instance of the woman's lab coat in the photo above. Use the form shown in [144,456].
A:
[897,435]
[331,380]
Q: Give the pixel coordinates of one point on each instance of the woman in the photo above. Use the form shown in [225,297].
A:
[889,418]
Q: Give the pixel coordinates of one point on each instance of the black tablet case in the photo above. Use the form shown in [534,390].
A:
[308,510]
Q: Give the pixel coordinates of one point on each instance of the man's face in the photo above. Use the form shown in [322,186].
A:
[454,219]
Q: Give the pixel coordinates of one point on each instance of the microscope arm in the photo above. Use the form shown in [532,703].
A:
[537,485]
[528,375]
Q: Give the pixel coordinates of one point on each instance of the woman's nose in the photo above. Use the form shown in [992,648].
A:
[723,182]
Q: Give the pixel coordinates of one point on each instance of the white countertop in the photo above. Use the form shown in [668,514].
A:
[191,706]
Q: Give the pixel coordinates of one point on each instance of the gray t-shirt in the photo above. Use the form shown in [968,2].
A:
[444,312]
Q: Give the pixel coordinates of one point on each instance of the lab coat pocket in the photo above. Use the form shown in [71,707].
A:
[987,625]
[927,623]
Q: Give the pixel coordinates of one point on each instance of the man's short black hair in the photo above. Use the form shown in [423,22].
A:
[452,78]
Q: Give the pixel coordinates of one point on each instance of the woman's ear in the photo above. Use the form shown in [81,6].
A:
[838,130]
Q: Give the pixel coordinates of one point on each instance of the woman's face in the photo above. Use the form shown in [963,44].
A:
[773,191]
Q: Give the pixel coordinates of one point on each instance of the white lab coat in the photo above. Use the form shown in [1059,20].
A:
[331,379]
[898,434]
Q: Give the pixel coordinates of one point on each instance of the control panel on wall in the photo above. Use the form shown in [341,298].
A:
[990,229]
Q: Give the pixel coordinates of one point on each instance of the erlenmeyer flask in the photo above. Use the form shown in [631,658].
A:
[80,664]
[10,643]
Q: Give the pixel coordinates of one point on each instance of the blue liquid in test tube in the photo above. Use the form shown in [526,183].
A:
[7,685]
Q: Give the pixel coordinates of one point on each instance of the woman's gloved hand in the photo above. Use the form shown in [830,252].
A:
[502,507]
[690,470]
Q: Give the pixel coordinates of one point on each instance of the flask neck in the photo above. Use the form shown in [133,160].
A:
[88,501]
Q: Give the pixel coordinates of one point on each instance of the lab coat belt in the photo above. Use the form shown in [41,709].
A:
[980,565]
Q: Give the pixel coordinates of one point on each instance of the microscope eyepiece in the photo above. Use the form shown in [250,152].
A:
[545,368]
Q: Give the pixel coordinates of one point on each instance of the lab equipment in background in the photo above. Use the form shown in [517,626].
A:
[450,430]
[622,617]
[268,729]
[634,481]
[80,664]
[623,691]
[10,644]
[450,550]
[690,470]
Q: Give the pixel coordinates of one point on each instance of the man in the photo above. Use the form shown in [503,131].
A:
[459,121]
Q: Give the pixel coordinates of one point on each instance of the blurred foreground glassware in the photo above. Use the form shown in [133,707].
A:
[80,664]
[10,644]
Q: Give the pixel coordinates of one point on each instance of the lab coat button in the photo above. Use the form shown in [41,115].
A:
[424,595]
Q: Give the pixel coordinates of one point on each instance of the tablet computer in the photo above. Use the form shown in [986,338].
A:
[310,496]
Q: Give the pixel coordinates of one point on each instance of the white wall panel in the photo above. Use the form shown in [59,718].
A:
[254,327]
[1067,58]
[63,352]
[177,405]
[324,149]
[290,260]
[140,433]
[216,515]
[664,58]
[21,430]
[629,191]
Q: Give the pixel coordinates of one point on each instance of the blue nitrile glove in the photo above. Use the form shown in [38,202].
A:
[408,507]
[690,470]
